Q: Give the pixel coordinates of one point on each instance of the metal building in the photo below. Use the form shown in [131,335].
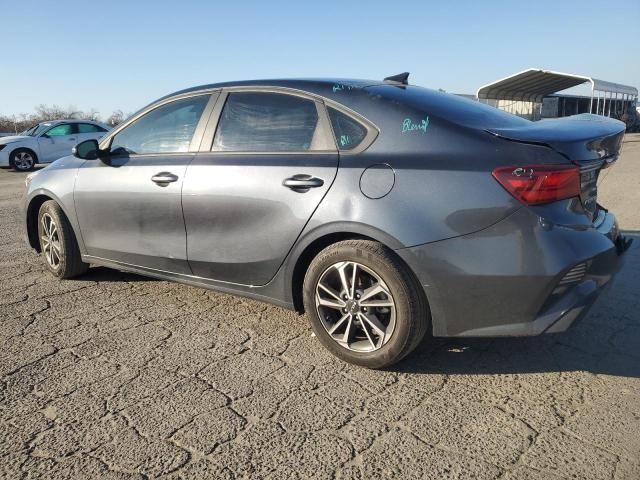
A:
[526,92]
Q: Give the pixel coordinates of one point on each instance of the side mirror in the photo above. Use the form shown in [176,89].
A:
[87,150]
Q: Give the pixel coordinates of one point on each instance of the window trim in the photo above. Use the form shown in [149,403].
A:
[323,123]
[196,139]
[202,140]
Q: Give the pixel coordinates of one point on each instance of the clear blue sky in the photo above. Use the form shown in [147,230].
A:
[123,54]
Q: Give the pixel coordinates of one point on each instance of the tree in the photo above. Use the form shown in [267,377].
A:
[20,122]
[92,114]
[54,112]
[116,118]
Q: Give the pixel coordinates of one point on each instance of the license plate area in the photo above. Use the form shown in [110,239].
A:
[589,186]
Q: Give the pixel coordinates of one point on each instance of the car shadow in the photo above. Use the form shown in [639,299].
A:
[606,341]
[104,274]
[34,169]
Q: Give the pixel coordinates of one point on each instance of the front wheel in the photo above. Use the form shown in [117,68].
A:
[364,304]
[58,243]
[22,160]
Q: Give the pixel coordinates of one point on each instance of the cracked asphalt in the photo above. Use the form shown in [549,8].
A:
[117,376]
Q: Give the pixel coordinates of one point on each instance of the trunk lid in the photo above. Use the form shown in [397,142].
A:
[590,141]
[580,138]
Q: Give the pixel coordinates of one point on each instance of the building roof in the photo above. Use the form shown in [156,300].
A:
[534,84]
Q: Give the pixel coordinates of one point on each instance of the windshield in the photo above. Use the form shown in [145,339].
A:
[36,130]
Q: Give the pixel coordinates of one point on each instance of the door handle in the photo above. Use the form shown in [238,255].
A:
[302,183]
[72,139]
[164,178]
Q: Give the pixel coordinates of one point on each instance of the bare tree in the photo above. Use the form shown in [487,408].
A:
[54,112]
[43,113]
[16,123]
[92,114]
[116,118]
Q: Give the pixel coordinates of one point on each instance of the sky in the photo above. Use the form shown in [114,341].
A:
[110,55]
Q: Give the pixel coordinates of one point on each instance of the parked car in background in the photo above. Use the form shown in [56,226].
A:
[383,210]
[46,142]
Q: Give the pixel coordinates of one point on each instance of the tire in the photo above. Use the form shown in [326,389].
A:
[367,335]
[58,242]
[23,159]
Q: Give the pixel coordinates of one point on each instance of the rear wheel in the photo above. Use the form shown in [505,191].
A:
[58,242]
[364,304]
[22,159]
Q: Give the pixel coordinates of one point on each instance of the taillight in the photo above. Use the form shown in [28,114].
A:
[535,184]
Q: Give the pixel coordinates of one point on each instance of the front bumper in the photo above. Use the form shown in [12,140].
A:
[504,280]
[4,157]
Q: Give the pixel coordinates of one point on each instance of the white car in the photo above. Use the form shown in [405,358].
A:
[46,142]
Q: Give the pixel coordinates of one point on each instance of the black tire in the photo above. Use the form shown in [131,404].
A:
[412,317]
[69,264]
[23,159]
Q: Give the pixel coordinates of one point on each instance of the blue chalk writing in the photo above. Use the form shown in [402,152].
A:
[337,87]
[409,125]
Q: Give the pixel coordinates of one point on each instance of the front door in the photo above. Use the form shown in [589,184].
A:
[57,142]
[272,161]
[129,204]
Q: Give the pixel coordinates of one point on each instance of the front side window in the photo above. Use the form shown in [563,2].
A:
[267,122]
[166,129]
[36,129]
[89,128]
[348,131]
[59,130]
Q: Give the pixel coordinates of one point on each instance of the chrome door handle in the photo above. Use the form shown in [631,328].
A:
[302,183]
[164,178]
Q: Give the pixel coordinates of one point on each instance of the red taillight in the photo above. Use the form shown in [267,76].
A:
[535,184]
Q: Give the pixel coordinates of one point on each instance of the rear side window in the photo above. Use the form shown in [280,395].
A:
[166,129]
[349,132]
[267,122]
[89,128]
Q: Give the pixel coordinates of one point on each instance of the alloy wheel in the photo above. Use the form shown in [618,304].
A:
[355,306]
[50,242]
[23,161]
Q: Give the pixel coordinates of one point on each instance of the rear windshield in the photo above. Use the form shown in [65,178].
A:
[451,107]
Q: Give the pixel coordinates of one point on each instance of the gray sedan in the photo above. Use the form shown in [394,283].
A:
[384,211]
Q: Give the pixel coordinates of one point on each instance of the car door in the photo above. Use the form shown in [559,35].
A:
[57,142]
[268,164]
[129,204]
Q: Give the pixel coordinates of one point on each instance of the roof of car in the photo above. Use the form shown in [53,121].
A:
[311,85]
[70,120]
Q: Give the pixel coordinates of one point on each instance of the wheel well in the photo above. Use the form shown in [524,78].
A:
[35,155]
[32,220]
[309,253]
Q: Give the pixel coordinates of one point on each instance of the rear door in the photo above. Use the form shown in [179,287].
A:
[87,131]
[129,204]
[269,160]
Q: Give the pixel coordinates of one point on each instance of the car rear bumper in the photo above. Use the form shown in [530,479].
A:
[520,277]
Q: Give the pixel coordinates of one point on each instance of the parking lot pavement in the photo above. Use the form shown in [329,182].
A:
[114,376]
